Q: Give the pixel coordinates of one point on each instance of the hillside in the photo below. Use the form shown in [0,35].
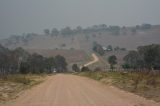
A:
[126,37]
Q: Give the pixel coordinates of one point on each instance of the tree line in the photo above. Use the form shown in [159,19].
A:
[114,30]
[20,61]
[144,58]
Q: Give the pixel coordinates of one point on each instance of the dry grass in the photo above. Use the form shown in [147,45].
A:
[13,85]
[144,84]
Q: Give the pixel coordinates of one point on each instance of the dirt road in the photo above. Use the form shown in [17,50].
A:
[95,59]
[71,90]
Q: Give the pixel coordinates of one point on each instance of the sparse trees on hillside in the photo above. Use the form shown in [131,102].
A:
[102,29]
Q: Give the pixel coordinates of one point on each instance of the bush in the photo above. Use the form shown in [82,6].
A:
[85,69]
[75,68]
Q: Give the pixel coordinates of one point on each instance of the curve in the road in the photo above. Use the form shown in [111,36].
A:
[95,59]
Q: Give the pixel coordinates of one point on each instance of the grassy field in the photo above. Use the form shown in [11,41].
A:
[143,84]
[13,85]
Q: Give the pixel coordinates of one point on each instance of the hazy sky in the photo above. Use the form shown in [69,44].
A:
[22,16]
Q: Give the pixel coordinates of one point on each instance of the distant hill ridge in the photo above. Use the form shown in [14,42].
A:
[80,38]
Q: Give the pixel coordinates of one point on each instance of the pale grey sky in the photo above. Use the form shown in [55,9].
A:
[23,16]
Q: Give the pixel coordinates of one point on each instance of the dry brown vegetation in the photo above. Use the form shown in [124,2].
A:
[141,83]
[79,40]
[13,85]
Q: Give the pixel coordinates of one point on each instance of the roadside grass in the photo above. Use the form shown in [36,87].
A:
[13,85]
[140,83]
[29,79]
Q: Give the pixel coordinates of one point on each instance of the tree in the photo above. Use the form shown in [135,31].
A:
[66,31]
[115,30]
[5,61]
[54,32]
[103,27]
[98,48]
[24,68]
[79,29]
[151,55]
[133,60]
[75,68]
[50,64]
[37,63]
[147,57]
[112,61]
[46,32]
[20,61]
[21,53]
[61,64]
